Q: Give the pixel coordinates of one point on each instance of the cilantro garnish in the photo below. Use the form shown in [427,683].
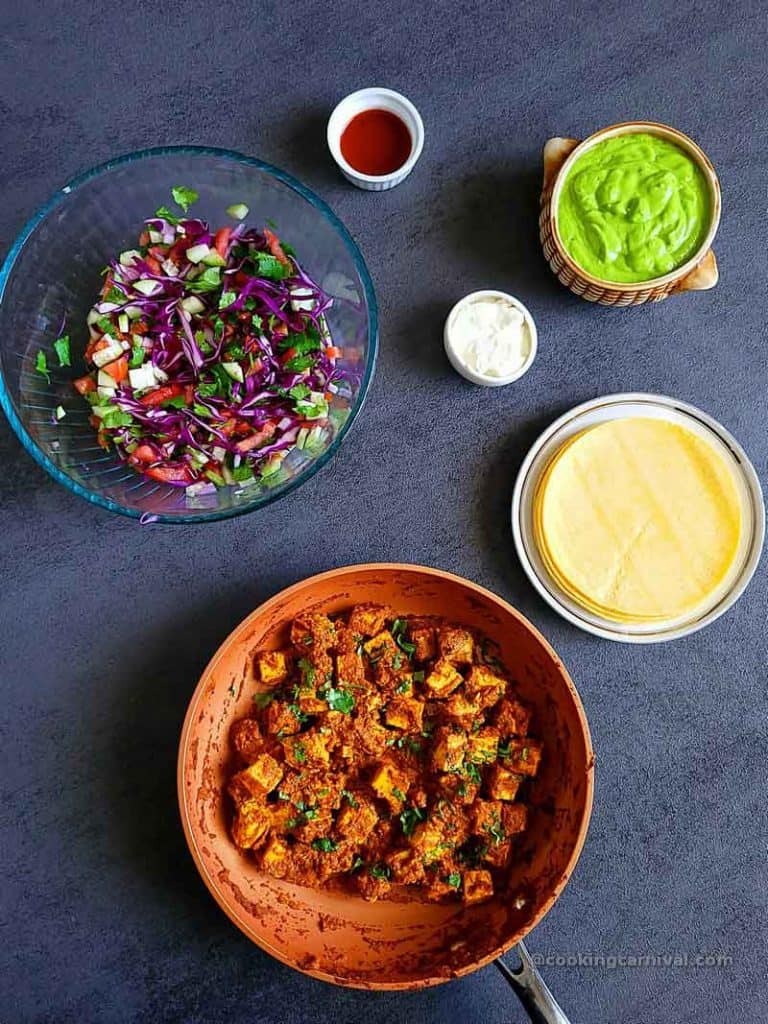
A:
[382,871]
[409,819]
[61,346]
[41,365]
[325,844]
[184,197]
[339,700]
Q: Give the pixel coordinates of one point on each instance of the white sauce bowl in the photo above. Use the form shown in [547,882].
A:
[468,372]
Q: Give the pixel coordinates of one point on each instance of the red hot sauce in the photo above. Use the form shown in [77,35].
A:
[376,142]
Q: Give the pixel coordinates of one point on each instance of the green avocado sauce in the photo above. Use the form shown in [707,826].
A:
[632,208]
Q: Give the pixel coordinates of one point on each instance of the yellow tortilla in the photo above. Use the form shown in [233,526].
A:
[638,520]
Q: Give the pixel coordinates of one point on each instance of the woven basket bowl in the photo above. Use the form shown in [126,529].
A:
[698,274]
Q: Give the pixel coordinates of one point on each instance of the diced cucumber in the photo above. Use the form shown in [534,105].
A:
[128,258]
[235,371]
[155,237]
[142,377]
[213,259]
[238,210]
[195,253]
[60,412]
[109,354]
[123,323]
[146,286]
[192,305]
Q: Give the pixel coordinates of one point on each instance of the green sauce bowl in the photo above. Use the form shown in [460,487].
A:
[619,231]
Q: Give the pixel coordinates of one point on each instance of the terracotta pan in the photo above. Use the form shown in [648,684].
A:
[342,938]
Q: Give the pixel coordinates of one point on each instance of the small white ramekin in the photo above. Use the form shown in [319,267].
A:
[461,367]
[375,99]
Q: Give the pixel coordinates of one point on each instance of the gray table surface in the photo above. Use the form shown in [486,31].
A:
[106,624]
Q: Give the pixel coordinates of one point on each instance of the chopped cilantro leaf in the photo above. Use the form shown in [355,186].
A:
[167,214]
[299,363]
[339,700]
[349,797]
[454,880]
[382,871]
[61,345]
[409,819]
[299,752]
[41,365]
[271,267]
[262,699]
[226,300]
[325,844]
[184,197]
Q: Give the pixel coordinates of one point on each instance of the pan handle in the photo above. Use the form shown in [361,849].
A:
[531,990]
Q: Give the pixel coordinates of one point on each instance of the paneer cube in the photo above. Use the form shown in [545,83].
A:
[512,718]
[407,867]
[484,687]
[514,818]
[265,771]
[425,641]
[482,746]
[503,784]
[256,780]
[524,756]
[312,632]
[391,783]
[246,738]
[456,645]
[497,854]
[477,886]
[274,857]
[461,709]
[280,719]
[405,713]
[355,822]
[443,679]
[449,744]
[429,842]
[251,824]
[308,750]
[282,815]
[273,668]
[310,704]
[459,789]
[313,824]
[381,646]
[371,734]
[369,619]
[485,816]
[350,670]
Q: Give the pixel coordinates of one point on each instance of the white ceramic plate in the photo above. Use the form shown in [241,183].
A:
[612,407]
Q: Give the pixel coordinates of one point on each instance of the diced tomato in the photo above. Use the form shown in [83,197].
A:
[332,352]
[221,241]
[280,330]
[228,428]
[273,244]
[117,370]
[85,385]
[144,453]
[259,438]
[139,327]
[162,394]
[103,439]
[289,354]
[257,366]
[240,279]
[170,474]
[178,250]
[189,394]
[153,264]
[143,238]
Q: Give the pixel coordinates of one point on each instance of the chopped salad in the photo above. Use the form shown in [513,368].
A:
[210,357]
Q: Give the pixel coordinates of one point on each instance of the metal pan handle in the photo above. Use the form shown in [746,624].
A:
[531,990]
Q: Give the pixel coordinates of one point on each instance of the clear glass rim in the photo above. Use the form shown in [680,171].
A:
[37,453]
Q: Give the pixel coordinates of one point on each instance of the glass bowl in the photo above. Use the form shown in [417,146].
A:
[52,275]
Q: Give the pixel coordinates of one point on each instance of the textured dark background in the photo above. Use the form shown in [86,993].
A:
[106,624]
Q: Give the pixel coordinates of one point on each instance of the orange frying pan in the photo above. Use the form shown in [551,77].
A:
[387,944]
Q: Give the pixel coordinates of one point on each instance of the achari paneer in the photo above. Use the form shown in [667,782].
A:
[383,752]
